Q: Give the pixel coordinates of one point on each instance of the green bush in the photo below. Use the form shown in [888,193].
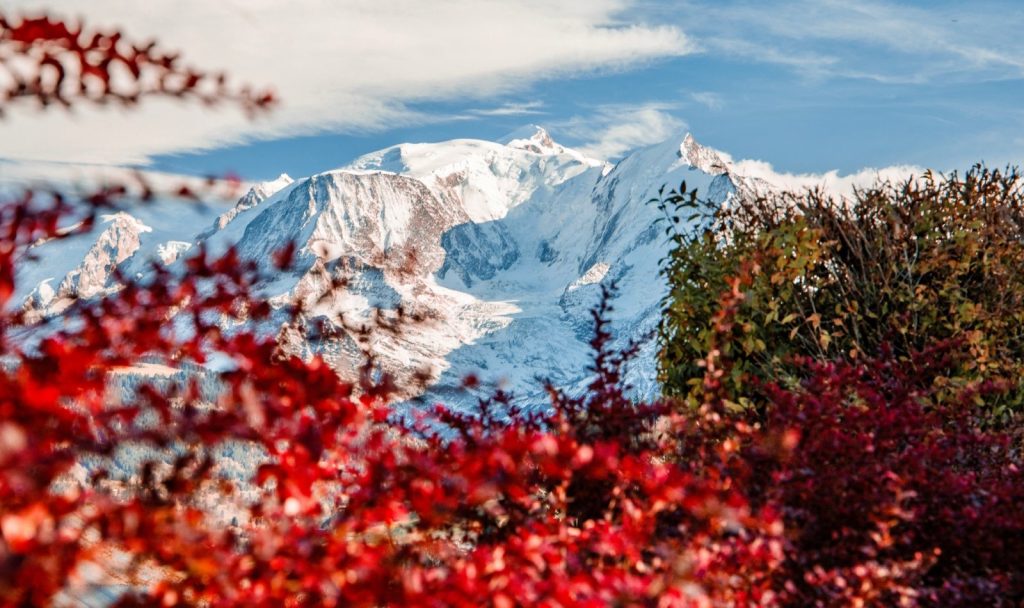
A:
[899,266]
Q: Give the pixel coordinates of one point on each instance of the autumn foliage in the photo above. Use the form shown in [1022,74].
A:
[58,62]
[899,265]
[336,506]
[284,485]
[849,481]
[884,332]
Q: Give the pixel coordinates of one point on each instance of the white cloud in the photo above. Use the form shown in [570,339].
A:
[612,130]
[832,182]
[344,65]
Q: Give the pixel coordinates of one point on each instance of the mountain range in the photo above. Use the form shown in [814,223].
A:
[496,250]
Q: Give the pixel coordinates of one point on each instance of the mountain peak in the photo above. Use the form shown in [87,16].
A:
[124,221]
[533,138]
[701,157]
[536,139]
[282,180]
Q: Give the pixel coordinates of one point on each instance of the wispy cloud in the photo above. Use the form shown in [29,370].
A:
[824,38]
[711,101]
[612,130]
[342,66]
[529,108]
[809,63]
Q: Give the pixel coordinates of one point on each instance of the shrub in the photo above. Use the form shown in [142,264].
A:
[891,496]
[934,259]
[861,336]
[327,503]
[890,491]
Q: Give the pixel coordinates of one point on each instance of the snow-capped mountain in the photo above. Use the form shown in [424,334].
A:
[497,250]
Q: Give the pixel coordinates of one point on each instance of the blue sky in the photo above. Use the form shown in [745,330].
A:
[807,86]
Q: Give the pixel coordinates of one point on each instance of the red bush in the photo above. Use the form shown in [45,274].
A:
[890,492]
[889,498]
[336,506]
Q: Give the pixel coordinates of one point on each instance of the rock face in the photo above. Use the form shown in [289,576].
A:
[497,250]
[117,240]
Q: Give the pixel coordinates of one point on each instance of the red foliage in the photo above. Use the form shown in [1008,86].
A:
[54,61]
[346,509]
[890,493]
[853,489]
[889,496]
